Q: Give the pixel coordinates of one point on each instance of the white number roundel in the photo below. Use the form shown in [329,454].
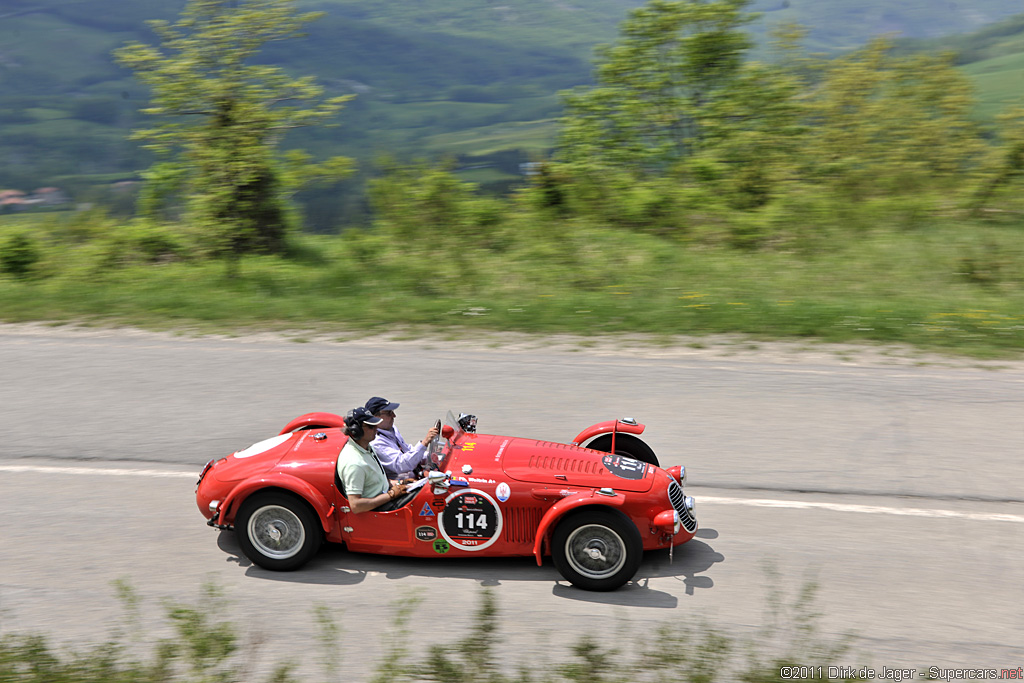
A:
[471,520]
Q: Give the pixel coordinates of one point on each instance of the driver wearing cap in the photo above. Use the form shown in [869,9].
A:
[397,456]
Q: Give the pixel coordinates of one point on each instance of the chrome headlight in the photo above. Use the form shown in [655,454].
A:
[678,473]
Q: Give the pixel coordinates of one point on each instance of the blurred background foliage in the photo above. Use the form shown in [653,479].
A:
[704,180]
[475,80]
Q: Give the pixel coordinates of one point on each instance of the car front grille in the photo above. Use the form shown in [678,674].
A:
[678,500]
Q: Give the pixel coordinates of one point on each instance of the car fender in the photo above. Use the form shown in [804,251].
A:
[301,488]
[314,420]
[608,427]
[566,505]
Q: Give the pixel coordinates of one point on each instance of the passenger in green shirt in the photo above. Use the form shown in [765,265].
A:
[367,487]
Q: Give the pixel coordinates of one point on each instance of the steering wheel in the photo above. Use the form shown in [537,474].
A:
[433,449]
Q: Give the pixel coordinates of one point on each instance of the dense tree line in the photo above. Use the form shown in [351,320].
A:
[682,124]
[682,135]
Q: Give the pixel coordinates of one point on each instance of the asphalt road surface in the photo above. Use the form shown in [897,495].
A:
[895,490]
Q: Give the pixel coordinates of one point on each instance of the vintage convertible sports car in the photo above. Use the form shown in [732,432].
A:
[594,504]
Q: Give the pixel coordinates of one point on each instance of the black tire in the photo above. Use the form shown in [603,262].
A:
[278,530]
[597,549]
[626,444]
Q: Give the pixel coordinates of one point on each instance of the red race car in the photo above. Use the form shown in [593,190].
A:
[594,504]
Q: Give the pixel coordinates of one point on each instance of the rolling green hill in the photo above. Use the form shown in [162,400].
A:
[993,57]
[430,70]
[842,24]
[457,76]
[999,83]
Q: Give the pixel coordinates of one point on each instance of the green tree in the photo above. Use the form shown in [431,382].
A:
[430,208]
[657,87]
[681,129]
[1006,163]
[679,124]
[889,125]
[223,117]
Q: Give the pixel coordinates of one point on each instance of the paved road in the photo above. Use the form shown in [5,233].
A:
[897,490]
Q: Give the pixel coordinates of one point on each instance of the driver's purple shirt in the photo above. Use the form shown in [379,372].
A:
[395,454]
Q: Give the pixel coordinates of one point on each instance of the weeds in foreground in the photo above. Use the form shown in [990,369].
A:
[206,649]
[203,649]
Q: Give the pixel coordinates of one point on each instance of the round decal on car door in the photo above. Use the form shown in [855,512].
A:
[471,520]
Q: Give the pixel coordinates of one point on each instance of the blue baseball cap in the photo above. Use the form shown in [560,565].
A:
[362,416]
[378,405]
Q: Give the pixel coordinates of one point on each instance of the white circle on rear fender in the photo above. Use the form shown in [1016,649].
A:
[263,446]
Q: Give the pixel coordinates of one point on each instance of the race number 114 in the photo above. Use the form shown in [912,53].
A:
[469,522]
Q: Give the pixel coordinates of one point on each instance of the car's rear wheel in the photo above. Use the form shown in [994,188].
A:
[597,550]
[277,530]
[625,444]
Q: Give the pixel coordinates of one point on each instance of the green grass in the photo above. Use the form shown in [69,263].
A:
[948,286]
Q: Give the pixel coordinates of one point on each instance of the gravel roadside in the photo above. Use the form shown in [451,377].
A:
[712,347]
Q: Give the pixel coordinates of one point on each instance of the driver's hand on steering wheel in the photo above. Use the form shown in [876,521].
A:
[431,435]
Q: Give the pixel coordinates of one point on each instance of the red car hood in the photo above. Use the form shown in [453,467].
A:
[557,464]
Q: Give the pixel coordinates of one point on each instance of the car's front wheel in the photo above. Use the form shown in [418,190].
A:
[277,530]
[598,550]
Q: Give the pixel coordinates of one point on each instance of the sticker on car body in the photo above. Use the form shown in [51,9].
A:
[426,533]
[623,467]
[471,520]
[501,449]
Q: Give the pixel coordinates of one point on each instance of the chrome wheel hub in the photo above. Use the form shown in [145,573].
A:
[276,531]
[595,551]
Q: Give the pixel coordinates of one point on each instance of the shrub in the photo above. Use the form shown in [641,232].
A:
[142,242]
[18,255]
